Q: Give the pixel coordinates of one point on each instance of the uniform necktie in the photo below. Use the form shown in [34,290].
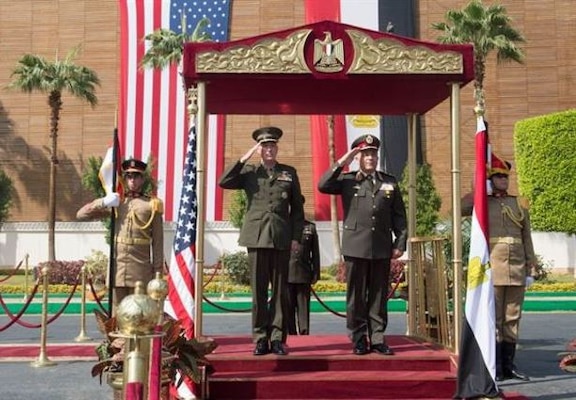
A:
[370,179]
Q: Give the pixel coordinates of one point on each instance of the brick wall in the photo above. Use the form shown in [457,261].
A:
[545,83]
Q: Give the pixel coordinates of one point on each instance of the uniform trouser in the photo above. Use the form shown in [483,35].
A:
[367,298]
[509,300]
[269,268]
[298,318]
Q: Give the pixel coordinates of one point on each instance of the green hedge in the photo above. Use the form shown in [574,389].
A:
[546,168]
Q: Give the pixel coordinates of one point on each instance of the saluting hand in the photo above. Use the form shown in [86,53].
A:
[348,157]
[249,153]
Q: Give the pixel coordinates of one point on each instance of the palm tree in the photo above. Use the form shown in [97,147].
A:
[166,46]
[36,74]
[489,29]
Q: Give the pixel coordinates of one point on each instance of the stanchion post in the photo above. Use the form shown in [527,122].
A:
[223,282]
[42,360]
[82,336]
[26,277]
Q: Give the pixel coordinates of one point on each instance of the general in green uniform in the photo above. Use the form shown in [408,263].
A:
[272,229]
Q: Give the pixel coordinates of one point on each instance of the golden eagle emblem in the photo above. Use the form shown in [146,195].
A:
[328,54]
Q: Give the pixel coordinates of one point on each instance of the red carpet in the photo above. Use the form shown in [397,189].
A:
[317,367]
[55,352]
[323,367]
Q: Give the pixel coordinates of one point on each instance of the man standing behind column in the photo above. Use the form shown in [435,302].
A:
[373,211]
[272,228]
[303,272]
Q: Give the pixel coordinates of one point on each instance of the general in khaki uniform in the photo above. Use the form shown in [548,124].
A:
[272,228]
[512,260]
[139,235]
[374,231]
[303,271]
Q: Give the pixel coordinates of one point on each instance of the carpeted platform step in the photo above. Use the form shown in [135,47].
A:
[332,384]
[323,367]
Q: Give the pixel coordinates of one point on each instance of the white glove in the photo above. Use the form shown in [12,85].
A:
[529,281]
[111,200]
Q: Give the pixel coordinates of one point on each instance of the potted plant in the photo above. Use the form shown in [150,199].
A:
[180,356]
[568,357]
[96,269]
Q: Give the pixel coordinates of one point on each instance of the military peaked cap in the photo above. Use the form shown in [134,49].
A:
[267,134]
[366,142]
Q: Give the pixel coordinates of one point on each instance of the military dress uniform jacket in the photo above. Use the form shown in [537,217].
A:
[139,237]
[511,249]
[275,214]
[305,265]
[372,213]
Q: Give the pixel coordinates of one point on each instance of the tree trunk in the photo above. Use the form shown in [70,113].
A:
[55,102]
[52,212]
[333,199]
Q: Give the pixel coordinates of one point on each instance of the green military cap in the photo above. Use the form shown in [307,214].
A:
[267,134]
[366,142]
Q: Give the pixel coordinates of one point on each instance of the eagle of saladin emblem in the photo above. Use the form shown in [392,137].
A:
[328,54]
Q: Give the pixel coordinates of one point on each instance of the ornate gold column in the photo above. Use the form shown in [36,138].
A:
[456,213]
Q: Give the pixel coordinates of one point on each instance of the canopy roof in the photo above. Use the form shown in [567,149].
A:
[326,68]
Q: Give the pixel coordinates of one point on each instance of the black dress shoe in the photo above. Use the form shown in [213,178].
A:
[278,348]
[361,347]
[383,349]
[261,347]
[514,374]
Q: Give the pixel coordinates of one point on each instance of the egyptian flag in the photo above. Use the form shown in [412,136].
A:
[477,360]
[375,15]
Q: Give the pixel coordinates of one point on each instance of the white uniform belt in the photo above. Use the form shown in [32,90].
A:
[128,240]
[506,240]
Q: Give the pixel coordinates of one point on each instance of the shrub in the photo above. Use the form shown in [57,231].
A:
[428,202]
[546,169]
[60,272]
[238,208]
[6,193]
[237,267]
[96,267]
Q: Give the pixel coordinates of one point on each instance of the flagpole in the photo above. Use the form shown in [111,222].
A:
[112,257]
[412,119]
[456,215]
[200,179]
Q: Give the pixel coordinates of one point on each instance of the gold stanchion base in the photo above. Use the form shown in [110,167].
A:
[42,361]
[82,337]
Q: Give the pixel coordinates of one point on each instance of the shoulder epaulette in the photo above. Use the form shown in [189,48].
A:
[157,205]
[523,202]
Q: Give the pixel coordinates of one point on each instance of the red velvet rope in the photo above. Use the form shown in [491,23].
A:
[97,298]
[16,318]
[12,272]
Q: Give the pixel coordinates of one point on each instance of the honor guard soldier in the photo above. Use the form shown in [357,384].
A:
[139,234]
[303,271]
[512,260]
[373,212]
[272,228]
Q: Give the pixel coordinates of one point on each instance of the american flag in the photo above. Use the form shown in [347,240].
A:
[182,263]
[180,304]
[152,109]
